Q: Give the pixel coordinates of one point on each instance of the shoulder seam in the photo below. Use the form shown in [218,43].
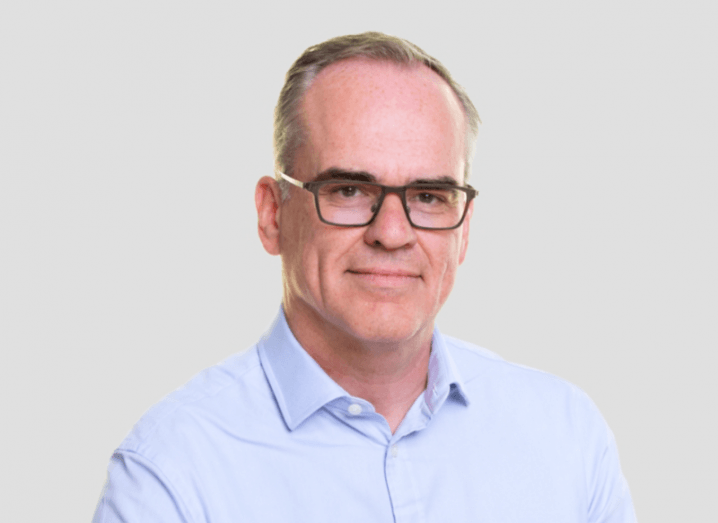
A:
[176,404]
[184,511]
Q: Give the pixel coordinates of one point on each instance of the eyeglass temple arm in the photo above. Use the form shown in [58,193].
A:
[291,180]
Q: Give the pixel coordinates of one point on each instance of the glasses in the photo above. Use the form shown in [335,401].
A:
[349,203]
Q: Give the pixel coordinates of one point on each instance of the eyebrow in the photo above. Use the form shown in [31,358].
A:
[441,180]
[336,173]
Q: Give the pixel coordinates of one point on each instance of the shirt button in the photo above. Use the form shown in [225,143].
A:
[354,409]
[394,451]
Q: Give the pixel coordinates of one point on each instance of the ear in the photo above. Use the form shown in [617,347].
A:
[465,232]
[267,198]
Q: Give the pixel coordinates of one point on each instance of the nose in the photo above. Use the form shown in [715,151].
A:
[391,228]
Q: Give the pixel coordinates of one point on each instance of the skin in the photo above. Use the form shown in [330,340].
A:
[362,301]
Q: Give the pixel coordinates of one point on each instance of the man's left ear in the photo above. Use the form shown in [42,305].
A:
[267,198]
[465,232]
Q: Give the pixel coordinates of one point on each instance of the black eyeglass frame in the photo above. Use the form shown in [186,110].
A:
[314,187]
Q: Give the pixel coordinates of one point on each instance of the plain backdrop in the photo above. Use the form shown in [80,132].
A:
[132,135]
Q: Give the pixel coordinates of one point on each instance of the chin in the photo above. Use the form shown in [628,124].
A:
[387,324]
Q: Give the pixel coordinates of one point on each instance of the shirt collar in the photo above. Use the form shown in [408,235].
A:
[301,387]
[444,380]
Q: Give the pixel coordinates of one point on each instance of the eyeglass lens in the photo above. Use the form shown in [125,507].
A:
[344,203]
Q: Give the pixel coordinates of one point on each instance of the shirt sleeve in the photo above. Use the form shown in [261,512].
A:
[137,491]
[609,499]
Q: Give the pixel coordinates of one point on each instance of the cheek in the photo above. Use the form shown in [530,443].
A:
[447,265]
[310,262]
[325,255]
[296,239]
[317,259]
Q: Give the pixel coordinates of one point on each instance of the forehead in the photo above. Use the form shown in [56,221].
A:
[396,121]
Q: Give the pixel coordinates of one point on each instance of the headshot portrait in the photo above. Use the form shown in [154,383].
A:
[358,264]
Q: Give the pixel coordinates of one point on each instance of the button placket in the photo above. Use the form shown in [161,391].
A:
[405,497]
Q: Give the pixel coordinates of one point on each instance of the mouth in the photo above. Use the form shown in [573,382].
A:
[386,277]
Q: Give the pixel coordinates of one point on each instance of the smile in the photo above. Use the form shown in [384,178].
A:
[385,278]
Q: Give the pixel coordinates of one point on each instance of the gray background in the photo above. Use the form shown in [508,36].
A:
[131,137]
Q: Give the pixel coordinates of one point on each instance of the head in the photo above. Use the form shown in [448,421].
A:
[289,131]
[376,106]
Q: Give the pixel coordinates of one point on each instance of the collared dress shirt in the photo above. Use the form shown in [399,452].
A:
[267,436]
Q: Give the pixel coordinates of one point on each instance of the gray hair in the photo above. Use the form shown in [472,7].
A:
[288,128]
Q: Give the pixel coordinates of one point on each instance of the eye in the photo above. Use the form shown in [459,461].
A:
[347,190]
[427,197]
[431,198]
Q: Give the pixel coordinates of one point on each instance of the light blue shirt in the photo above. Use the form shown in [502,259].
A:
[267,436]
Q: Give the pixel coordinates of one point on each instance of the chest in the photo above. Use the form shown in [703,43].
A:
[340,474]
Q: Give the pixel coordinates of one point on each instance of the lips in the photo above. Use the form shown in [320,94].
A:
[386,278]
[389,272]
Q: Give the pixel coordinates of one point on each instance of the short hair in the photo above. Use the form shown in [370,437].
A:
[288,126]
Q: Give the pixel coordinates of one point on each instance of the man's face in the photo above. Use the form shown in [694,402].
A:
[384,282]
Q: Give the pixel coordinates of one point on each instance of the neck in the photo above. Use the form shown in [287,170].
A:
[389,374]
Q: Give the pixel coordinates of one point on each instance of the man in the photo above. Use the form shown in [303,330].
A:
[353,407]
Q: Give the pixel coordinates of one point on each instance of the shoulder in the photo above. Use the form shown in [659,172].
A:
[217,398]
[519,398]
[528,412]
[486,373]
